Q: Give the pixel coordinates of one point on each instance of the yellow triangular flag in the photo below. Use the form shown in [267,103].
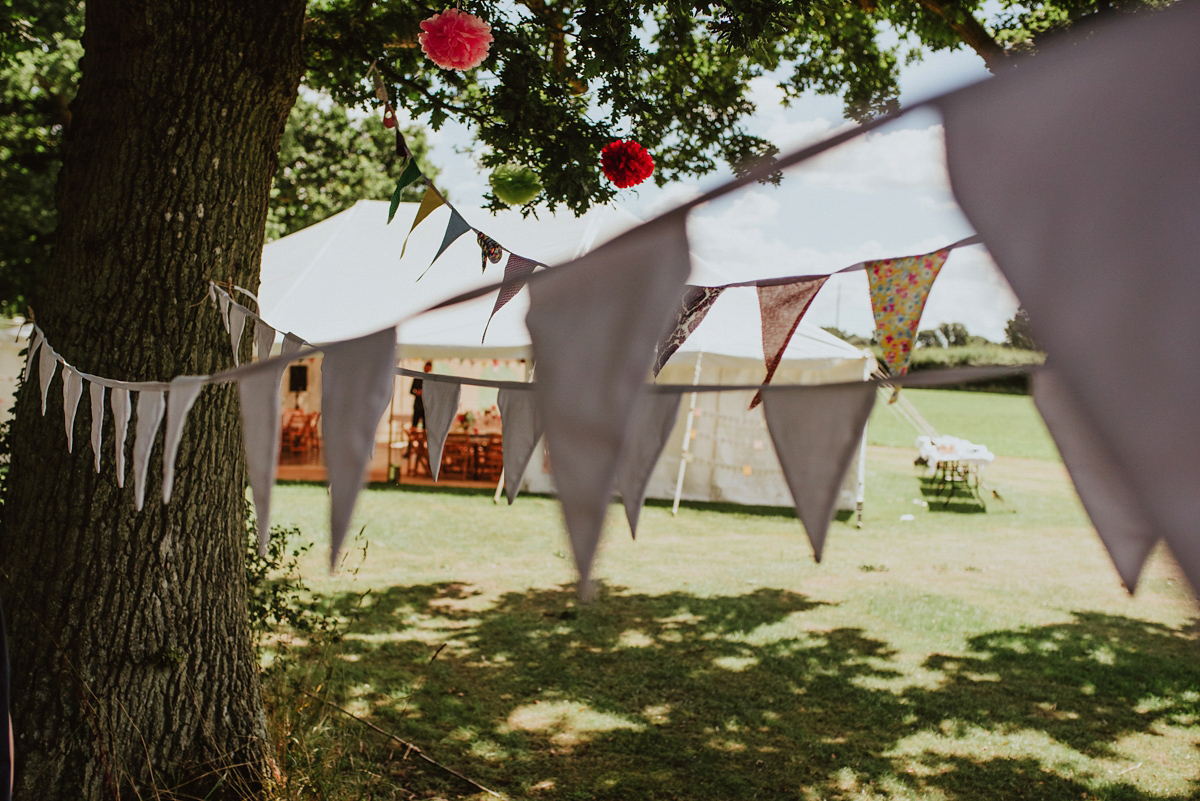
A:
[429,202]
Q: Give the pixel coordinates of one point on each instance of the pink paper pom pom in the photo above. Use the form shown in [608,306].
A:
[455,40]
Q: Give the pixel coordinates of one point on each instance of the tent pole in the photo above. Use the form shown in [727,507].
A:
[861,489]
[687,437]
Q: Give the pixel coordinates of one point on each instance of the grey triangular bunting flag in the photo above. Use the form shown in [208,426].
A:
[441,404]
[1124,528]
[816,430]
[521,428]
[1079,170]
[150,407]
[118,400]
[72,390]
[237,325]
[594,324]
[96,392]
[180,398]
[653,421]
[356,387]
[262,434]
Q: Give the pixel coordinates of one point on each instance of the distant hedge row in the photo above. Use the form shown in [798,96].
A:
[978,355]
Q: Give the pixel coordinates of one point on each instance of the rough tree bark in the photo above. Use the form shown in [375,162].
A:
[133,671]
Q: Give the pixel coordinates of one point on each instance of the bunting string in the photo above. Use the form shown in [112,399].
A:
[927,379]
[490,249]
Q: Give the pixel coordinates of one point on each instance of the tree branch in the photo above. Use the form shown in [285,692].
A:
[971,31]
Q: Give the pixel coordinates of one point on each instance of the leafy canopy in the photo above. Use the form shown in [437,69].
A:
[562,80]
[565,78]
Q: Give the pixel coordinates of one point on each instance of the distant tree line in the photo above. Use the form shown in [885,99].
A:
[952,345]
[1017,335]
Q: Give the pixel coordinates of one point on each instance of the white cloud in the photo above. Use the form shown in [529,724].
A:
[911,159]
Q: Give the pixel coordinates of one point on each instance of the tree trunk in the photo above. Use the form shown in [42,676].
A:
[133,671]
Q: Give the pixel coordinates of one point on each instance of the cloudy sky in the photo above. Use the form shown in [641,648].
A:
[882,195]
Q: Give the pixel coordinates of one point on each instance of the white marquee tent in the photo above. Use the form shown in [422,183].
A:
[344,276]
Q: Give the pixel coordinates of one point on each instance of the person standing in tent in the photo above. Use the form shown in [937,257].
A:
[418,418]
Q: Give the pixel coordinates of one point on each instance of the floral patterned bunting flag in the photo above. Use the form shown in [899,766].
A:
[899,289]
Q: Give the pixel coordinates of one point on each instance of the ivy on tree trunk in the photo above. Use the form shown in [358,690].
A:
[133,672]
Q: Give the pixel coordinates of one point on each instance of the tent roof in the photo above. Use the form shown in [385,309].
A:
[343,277]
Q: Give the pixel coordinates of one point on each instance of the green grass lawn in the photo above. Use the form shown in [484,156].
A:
[1008,424]
[957,655]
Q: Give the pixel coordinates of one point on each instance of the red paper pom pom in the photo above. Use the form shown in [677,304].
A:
[455,40]
[626,163]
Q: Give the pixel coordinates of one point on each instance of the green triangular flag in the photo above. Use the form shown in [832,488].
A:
[429,202]
[411,173]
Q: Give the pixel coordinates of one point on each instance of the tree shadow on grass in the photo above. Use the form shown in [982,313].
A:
[677,696]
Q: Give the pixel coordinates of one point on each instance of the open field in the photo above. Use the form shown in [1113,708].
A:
[957,655]
[1008,424]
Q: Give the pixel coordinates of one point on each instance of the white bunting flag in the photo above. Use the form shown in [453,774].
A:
[356,387]
[520,430]
[594,325]
[262,434]
[150,408]
[291,344]
[72,383]
[1106,494]
[441,404]
[264,339]
[1080,172]
[96,392]
[816,430]
[653,421]
[224,302]
[180,398]
[237,325]
[47,365]
[34,344]
[118,400]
